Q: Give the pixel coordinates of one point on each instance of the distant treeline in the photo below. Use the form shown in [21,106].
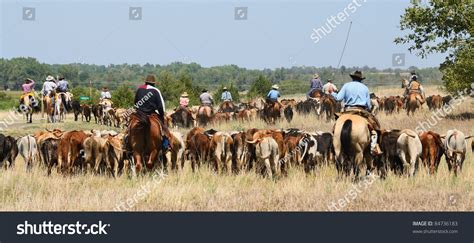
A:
[194,77]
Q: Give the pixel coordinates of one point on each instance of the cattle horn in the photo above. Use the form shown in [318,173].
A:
[442,136]
[253,141]
[470,136]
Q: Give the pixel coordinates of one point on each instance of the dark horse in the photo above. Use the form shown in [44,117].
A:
[145,139]
[272,112]
[182,117]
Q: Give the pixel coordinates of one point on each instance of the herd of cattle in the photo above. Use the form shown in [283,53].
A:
[326,107]
[271,152]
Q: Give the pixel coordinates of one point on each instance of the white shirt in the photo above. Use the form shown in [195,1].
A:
[105,95]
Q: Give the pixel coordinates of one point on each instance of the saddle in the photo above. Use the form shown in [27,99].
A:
[359,111]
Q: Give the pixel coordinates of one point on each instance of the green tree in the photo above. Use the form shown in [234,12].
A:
[123,96]
[443,26]
[260,87]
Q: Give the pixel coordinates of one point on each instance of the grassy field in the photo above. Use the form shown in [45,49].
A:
[206,191]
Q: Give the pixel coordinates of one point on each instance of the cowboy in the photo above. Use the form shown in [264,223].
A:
[63,89]
[148,100]
[105,94]
[315,84]
[356,99]
[28,91]
[226,95]
[273,95]
[184,100]
[414,86]
[329,85]
[205,98]
[49,85]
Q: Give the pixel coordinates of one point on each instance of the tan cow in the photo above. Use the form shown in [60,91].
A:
[266,150]
[221,144]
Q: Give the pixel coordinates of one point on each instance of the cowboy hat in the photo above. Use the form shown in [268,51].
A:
[29,79]
[225,88]
[329,80]
[204,90]
[50,78]
[275,87]
[105,88]
[316,75]
[150,79]
[185,94]
[357,75]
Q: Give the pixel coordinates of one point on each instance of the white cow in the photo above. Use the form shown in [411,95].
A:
[268,155]
[409,150]
[455,144]
[28,150]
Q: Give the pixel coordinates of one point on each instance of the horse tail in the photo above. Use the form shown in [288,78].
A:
[346,137]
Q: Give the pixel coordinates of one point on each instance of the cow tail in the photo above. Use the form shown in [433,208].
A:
[346,137]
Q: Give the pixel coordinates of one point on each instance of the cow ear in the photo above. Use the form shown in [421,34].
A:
[442,136]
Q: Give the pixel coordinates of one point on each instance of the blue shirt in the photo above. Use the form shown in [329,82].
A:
[226,96]
[354,93]
[316,84]
[273,94]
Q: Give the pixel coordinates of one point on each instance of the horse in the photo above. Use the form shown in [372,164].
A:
[328,106]
[352,145]
[413,103]
[48,103]
[227,106]
[145,139]
[27,104]
[204,115]
[272,112]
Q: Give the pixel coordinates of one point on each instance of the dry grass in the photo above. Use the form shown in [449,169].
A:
[205,191]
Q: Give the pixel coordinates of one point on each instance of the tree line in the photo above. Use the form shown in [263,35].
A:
[175,78]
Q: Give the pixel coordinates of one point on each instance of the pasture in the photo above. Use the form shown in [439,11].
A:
[247,191]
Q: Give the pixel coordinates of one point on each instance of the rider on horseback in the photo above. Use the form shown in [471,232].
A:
[226,95]
[105,94]
[148,101]
[28,91]
[329,85]
[184,100]
[206,99]
[356,99]
[414,86]
[315,84]
[63,89]
[273,95]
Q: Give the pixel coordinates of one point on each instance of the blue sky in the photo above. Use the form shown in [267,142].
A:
[275,34]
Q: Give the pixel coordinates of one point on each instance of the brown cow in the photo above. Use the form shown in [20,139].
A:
[96,151]
[436,102]
[239,151]
[198,147]
[116,154]
[292,139]
[432,150]
[70,146]
[86,112]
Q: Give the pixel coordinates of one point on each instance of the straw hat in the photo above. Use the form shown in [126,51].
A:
[185,94]
[150,79]
[50,78]
[275,87]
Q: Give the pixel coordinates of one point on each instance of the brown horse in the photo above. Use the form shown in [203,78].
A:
[227,106]
[272,112]
[145,139]
[49,107]
[352,145]
[413,103]
[204,115]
